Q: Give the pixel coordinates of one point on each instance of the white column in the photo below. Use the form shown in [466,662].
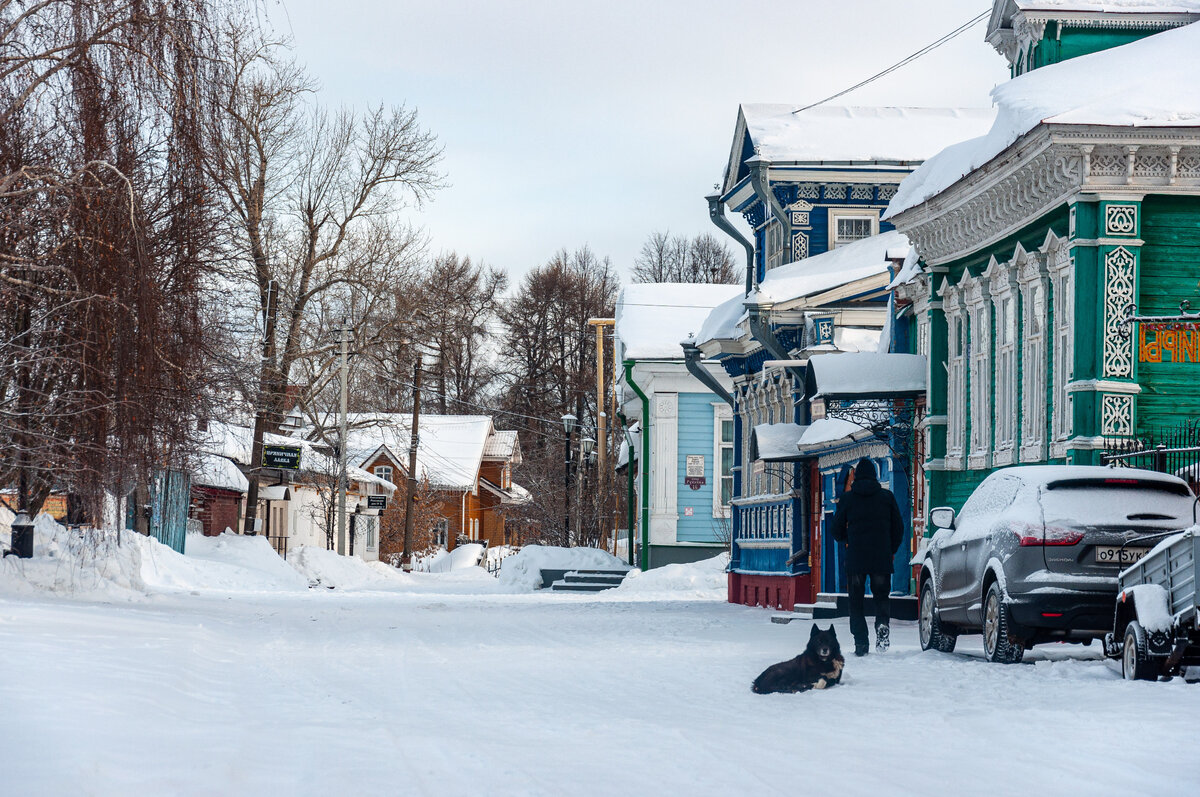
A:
[664,468]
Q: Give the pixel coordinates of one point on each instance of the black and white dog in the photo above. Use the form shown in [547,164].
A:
[818,667]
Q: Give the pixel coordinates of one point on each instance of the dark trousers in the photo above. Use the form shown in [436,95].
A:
[881,585]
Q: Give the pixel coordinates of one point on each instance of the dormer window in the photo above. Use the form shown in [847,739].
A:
[846,227]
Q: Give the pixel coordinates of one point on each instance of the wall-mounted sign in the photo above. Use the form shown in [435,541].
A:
[282,457]
[694,477]
[376,502]
[687,510]
[1170,342]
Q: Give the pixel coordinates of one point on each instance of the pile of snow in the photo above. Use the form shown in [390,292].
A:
[325,568]
[524,569]
[94,564]
[652,318]
[226,563]
[1147,83]
[461,558]
[106,564]
[704,580]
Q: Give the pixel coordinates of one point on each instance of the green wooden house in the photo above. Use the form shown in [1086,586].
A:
[1036,243]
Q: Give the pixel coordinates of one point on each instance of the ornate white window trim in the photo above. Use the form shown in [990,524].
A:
[1002,283]
[1032,279]
[1062,281]
[979,379]
[956,373]
[722,414]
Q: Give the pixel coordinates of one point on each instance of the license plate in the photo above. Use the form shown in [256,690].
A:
[1116,555]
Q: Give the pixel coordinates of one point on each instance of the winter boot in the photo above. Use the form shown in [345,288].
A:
[860,647]
[883,639]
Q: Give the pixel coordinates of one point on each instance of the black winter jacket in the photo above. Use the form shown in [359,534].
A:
[868,521]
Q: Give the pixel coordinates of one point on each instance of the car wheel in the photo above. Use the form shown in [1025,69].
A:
[996,644]
[1136,662]
[933,635]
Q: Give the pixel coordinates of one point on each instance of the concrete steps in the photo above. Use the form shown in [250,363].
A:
[582,580]
[831,605]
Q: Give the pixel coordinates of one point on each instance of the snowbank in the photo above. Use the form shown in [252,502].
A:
[524,569]
[91,564]
[324,568]
[461,558]
[704,580]
[227,563]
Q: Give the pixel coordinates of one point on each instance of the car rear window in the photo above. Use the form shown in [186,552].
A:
[1115,501]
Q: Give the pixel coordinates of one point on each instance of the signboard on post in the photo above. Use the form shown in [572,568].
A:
[377,502]
[694,477]
[281,457]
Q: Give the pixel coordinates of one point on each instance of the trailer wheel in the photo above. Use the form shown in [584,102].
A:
[1136,662]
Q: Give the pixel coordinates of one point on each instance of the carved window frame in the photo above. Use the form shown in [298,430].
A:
[1034,288]
[1062,276]
[1002,282]
[956,384]
[979,375]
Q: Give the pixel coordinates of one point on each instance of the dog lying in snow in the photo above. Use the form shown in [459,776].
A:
[818,667]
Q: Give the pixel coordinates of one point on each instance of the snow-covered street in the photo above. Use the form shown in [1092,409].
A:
[443,688]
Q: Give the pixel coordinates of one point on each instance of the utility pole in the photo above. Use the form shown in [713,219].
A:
[410,502]
[600,325]
[343,432]
[260,414]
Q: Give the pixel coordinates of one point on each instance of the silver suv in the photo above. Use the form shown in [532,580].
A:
[1034,554]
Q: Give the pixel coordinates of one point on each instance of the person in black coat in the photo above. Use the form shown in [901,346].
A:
[868,521]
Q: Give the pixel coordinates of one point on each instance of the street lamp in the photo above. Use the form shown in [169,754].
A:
[568,422]
[588,445]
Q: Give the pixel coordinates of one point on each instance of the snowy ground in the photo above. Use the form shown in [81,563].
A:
[433,686]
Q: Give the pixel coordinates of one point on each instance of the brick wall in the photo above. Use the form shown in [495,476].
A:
[216,509]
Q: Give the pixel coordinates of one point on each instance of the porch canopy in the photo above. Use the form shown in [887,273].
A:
[776,442]
[865,375]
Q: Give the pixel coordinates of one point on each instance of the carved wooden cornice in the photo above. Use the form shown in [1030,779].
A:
[1039,172]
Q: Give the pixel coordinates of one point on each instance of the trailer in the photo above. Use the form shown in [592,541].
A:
[1156,624]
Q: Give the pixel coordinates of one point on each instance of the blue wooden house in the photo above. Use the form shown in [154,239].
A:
[683,493]
[812,185]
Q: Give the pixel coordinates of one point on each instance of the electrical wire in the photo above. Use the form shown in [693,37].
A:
[907,60]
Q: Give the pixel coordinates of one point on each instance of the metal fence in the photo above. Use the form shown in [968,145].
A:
[1174,450]
[279,543]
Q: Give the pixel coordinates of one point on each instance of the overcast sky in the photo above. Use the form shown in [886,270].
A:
[568,122]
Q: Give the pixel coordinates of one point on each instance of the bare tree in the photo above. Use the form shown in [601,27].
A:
[105,240]
[319,242]
[673,258]
[549,369]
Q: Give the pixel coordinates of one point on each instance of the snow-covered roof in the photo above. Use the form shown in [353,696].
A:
[214,470]
[1113,6]
[772,442]
[1147,83]
[830,430]
[503,444]
[653,317]
[814,275]
[834,268]
[865,374]
[722,322]
[449,447]
[509,496]
[908,271]
[356,474]
[832,133]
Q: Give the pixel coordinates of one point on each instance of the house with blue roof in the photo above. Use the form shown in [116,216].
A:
[812,184]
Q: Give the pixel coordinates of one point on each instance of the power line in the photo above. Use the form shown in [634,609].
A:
[907,60]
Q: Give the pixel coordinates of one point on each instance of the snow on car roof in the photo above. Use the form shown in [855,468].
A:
[1045,474]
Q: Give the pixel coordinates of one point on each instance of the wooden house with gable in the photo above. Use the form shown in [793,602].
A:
[812,184]
[1040,245]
